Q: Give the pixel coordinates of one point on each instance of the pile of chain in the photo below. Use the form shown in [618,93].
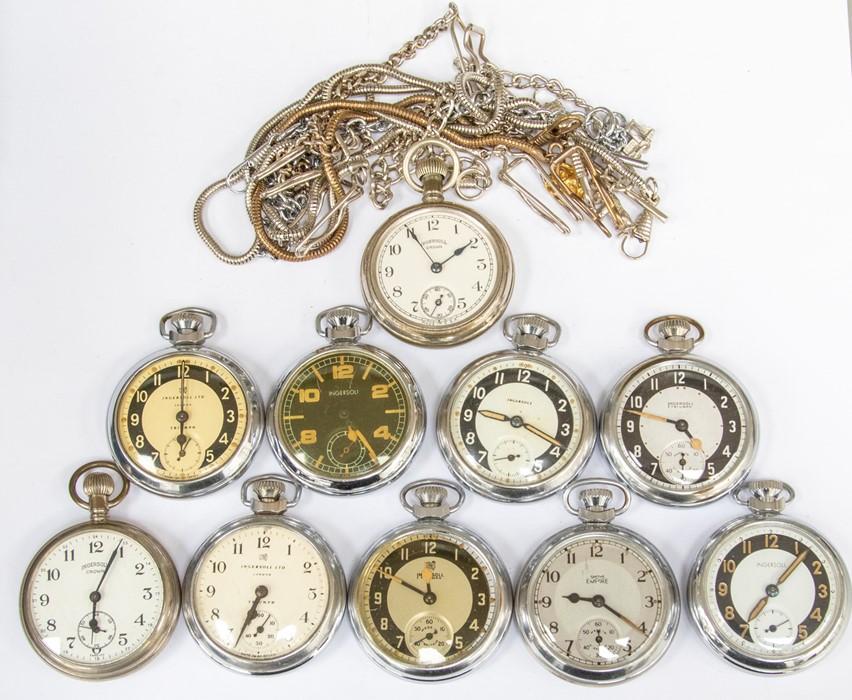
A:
[349,135]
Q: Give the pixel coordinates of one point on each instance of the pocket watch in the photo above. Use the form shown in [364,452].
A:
[264,593]
[514,425]
[597,603]
[430,600]
[436,273]
[101,597]
[768,593]
[677,429]
[187,420]
[349,417]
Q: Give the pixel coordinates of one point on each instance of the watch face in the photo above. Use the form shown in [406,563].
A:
[181,417]
[517,421]
[260,592]
[95,597]
[427,599]
[772,590]
[683,426]
[437,266]
[599,601]
[344,415]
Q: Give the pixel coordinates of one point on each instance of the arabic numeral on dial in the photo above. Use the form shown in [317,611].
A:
[263,542]
[140,620]
[596,550]
[214,613]
[562,405]
[479,392]
[477,287]
[565,429]
[430,546]
[641,576]
[433,224]
[499,377]
[551,575]
[467,415]
[678,377]
[469,438]
[53,574]
[147,594]
[44,600]
[480,264]
[225,392]
[732,426]
[482,455]
[312,594]
[461,303]
[397,291]
[635,402]
[122,639]
[51,625]
[394,249]
[307,566]
[631,426]
[210,590]
[388,271]
[546,601]
[655,383]
[553,627]
[218,567]
[650,601]
[139,568]
[524,376]
[238,548]
[69,555]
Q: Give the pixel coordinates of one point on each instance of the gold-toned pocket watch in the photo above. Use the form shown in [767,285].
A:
[187,420]
[436,273]
[102,597]
[349,417]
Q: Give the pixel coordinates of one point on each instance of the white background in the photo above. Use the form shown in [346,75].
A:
[113,116]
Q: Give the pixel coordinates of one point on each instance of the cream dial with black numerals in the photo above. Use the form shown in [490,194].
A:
[261,591]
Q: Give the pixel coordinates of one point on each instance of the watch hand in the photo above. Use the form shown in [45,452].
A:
[456,252]
[493,415]
[262,625]
[417,241]
[681,425]
[402,582]
[367,446]
[259,594]
[95,595]
[182,415]
[600,602]
[772,588]
[543,435]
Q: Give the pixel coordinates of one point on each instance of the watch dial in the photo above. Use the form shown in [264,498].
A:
[599,601]
[261,591]
[181,417]
[344,415]
[436,267]
[426,599]
[516,421]
[95,597]
[772,590]
[682,425]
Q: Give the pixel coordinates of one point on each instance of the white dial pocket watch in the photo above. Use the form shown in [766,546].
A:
[436,273]
[597,603]
[430,600]
[264,593]
[187,420]
[768,593]
[514,425]
[349,417]
[677,429]
[101,597]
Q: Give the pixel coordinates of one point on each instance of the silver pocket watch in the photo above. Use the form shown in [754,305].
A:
[436,273]
[187,420]
[597,603]
[677,429]
[430,600]
[265,592]
[349,417]
[768,593]
[100,598]
[515,425]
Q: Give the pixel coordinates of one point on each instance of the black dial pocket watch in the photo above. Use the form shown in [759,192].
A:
[102,597]
[515,425]
[768,593]
[677,429]
[187,420]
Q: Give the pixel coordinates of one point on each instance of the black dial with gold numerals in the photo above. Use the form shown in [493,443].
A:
[343,414]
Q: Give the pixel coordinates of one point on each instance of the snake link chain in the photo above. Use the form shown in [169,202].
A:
[307,164]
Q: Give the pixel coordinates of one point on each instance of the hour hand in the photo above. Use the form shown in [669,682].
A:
[493,415]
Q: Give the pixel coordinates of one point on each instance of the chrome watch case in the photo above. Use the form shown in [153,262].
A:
[532,335]
[675,348]
[343,326]
[767,500]
[269,505]
[595,513]
[187,329]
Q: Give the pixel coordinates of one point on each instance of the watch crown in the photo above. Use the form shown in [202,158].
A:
[430,495]
[267,494]
[765,495]
[344,323]
[432,166]
[531,331]
[98,484]
[595,505]
[267,490]
[674,327]
[189,326]
[674,333]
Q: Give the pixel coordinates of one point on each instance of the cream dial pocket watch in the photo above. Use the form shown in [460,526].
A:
[102,597]
[187,420]
[349,417]
[768,593]
[514,425]
[677,429]
[597,603]
[430,600]
[436,273]
[264,593]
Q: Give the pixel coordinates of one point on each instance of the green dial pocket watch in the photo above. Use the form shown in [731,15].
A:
[187,420]
[436,273]
[264,593]
[768,593]
[597,603]
[430,600]
[102,597]
[514,425]
[677,429]
[349,417]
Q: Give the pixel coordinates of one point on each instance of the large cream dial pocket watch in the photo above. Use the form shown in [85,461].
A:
[264,593]
[769,593]
[515,425]
[187,420]
[430,600]
[102,597]
[597,603]
[436,273]
[677,429]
